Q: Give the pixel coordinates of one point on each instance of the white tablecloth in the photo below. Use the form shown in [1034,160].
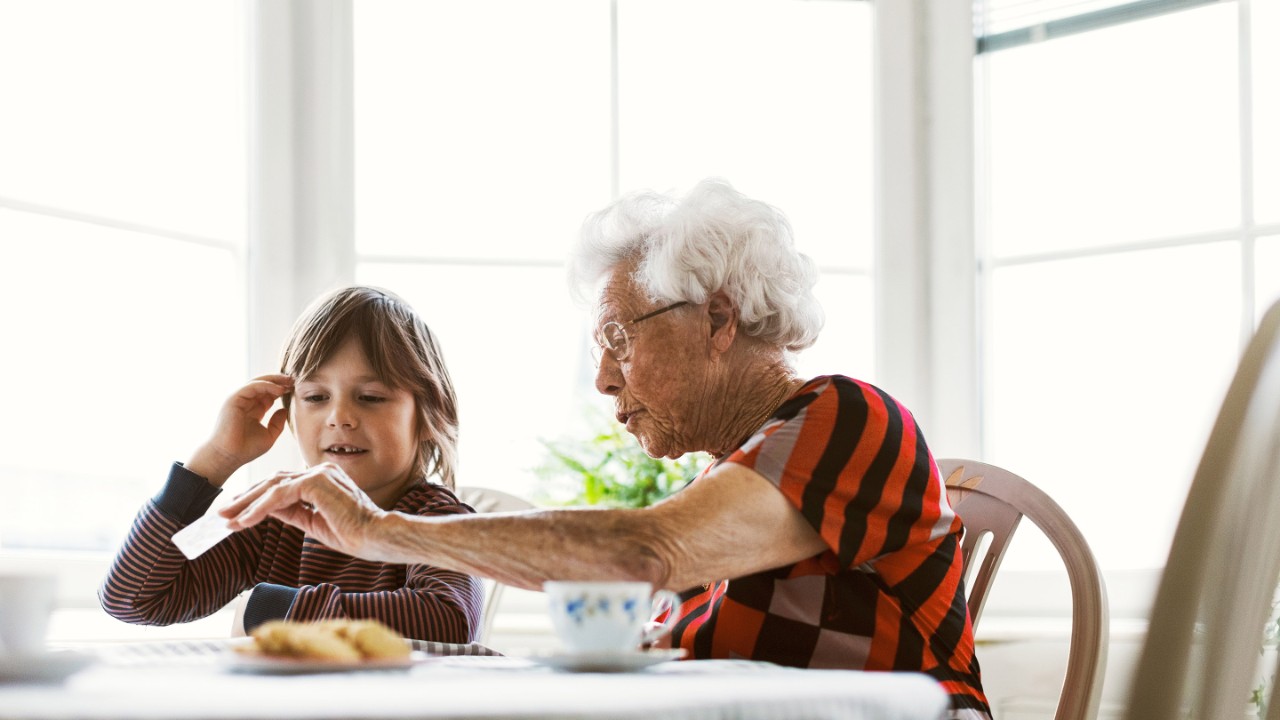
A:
[475,687]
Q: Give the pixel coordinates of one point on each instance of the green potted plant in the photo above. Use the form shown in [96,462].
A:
[610,469]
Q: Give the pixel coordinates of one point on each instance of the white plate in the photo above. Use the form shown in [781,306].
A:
[241,659]
[50,667]
[621,661]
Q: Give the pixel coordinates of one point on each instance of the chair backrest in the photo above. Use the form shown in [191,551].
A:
[1205,633]
[486,500]
[991,501]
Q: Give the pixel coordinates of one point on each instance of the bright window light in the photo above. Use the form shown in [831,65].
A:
[486,132]
[1266,109]
[1266,277]
[121,348]
[1113,136]
[1097,389]
[482,128]
[131,110]
[122,213]
[1113,297]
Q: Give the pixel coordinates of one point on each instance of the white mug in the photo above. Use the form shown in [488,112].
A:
[26,602]
[607,616]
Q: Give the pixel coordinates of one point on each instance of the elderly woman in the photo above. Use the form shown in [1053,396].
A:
[821,535]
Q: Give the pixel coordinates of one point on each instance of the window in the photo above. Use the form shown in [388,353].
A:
[1265,99]
[486,132]
[1266,273]
[775,96]
[483,134]
[122,150]
[1128,205]
[1122,228]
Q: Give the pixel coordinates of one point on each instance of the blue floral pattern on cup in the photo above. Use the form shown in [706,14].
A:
[606,616]
[583,606]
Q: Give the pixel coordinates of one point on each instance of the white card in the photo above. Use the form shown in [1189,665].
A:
[194,539]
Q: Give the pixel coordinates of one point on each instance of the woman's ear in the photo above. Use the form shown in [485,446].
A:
[724,320]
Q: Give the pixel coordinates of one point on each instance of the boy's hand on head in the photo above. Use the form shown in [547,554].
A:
[240,434]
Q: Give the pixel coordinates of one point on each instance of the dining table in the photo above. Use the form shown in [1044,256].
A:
[213,680]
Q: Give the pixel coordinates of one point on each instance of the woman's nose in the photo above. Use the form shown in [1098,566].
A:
[609,380]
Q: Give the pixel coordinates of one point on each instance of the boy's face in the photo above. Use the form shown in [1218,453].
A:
[344,415]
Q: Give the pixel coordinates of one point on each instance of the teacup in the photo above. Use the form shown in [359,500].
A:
[26,602]
[608,616]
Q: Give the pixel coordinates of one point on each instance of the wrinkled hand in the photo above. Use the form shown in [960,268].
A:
[240,436]
[322,501]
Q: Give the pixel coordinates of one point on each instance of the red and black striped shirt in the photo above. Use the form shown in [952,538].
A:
[887,594]
[152,583]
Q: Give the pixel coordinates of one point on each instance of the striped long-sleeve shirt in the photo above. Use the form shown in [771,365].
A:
[291,576]
[887,593]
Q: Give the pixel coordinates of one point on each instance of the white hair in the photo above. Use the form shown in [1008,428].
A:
[711,238]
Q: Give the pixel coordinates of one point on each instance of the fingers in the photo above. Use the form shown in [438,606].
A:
[302,516]
[287,494]
[275,425]
[274,385]
[322,501]
[244,430]
[260,501]
[261,392]
[277,378]
[249,496]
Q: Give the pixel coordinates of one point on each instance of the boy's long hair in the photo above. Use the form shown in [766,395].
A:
[403,353]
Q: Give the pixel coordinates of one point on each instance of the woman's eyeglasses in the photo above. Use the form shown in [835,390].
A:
[614,340]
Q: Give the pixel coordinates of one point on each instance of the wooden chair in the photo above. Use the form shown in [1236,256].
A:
[1205,632]
[486,500]
[992,501]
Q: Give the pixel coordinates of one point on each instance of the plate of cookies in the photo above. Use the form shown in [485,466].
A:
[289,647]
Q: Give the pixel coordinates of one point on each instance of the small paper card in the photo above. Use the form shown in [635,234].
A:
[194,539]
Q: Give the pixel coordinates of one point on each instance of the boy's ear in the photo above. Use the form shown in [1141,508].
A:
[724,320]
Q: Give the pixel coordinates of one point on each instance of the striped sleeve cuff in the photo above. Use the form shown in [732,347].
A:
[185,495]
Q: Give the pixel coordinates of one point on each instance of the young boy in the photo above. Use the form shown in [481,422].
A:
[364,386]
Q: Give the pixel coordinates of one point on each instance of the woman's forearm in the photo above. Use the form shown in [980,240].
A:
[730,523]
[525,549]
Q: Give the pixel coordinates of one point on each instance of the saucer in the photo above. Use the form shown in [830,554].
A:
[47,667]
[608,660]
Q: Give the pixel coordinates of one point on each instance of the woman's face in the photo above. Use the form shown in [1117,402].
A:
[662,388]
[343,414]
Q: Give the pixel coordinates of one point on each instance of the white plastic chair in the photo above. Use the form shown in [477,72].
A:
[1205,633]
[992,501]
[486,500]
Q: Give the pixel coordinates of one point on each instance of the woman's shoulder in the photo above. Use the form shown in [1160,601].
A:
[835,383]
[822,391]
[842,392]
[819,383]
[836,378]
